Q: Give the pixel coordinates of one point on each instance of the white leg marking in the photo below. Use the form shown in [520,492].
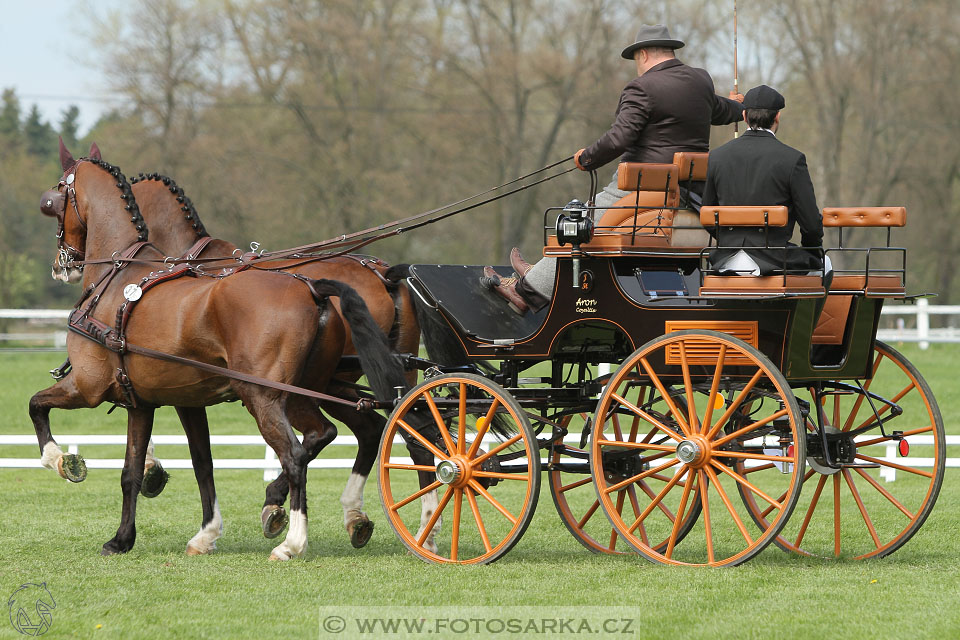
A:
[296,541]
[150,459]
[429,504]
[51,456]
[206,539]
[352,498]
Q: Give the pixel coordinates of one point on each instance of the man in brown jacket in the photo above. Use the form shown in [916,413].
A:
[668,107]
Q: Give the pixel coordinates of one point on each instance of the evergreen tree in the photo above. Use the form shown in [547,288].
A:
[10,116]
[69,126]
[40,136]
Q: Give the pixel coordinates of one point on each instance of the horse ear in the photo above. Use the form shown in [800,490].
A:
[94,151]
[66,158]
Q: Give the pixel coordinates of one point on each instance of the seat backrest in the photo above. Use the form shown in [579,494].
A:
[752,216]
[864,216]
[647,176]
[691,166]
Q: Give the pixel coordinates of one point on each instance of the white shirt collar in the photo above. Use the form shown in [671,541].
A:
[767,130]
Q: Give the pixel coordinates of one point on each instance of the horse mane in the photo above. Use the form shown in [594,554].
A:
[126,194]
[186,204]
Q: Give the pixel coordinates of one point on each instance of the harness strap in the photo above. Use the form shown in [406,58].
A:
[194,252]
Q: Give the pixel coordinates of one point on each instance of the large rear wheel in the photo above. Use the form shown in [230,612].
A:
[890,468]
[726,406]
[460,448]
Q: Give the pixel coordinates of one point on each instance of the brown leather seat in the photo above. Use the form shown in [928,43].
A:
[738,285]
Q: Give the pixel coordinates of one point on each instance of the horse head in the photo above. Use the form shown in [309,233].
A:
[88,189]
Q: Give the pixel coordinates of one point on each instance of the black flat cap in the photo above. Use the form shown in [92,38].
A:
[655,35]
[763,97]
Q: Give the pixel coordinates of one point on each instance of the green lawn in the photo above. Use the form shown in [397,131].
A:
[52,532]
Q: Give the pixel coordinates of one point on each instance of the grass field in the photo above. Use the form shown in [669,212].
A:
[52,531]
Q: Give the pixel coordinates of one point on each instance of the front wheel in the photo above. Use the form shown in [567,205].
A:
[461,448]
[726,407]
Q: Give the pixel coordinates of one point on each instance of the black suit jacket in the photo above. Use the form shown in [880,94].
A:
[669,108]
[758,169]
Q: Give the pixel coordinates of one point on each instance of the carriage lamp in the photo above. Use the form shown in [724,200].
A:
[575,226]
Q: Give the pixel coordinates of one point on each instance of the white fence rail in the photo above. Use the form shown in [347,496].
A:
[921,331]
[271,466]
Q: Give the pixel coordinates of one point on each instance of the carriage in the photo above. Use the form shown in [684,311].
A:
[690,416]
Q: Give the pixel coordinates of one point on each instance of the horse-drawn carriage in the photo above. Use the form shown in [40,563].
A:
[729,394]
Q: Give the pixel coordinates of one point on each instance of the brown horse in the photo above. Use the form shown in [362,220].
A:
[266,325]
[176,229]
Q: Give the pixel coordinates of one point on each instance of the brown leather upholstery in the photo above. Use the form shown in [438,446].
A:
[743,216]
[687,161]
[731,285]
[652,177]
[648,201]
[876,283]
[864,216]
[833,320]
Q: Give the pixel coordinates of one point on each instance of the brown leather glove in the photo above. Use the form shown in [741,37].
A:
[576,159]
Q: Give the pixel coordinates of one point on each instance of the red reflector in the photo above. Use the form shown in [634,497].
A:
[904,447]
[790,451]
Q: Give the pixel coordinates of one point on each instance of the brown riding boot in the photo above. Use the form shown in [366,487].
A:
[506,288]
[520,266]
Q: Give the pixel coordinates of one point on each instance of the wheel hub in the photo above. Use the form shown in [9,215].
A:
[693,451]
[450,472]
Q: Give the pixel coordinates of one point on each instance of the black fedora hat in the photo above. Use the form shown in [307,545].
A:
[655,35]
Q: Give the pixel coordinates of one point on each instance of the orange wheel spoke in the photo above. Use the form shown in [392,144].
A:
[646,416]
[743,482]
[635,505]
[762,467]
[500,476]
[836,515]
[441,425]
[419,437]
[677,414]
[476,486]
[734,405]
[478,520]
[652,494]
[810,509]
[462,419]
[886,494]
[688,384]
[574,485]
[613,532]
[617,432]
[886,407]
[655,501]
[589,514]
[455,535]
[687,486]
[750,427]
[503,445]
[860,397]
[436,516]
[419,494]
[729,505]
[912,432]
[705,505]
[863,510]
[753,456]
[637,445]
[409,467]
[711,400]
[641,476]
[635,428]
[482,429]
[783,496]
[894,465]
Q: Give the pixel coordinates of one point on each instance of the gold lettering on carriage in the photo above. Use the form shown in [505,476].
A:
[586,305]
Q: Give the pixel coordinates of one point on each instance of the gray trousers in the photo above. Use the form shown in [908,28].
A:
[543,274]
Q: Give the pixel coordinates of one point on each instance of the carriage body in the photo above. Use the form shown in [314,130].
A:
[720,387]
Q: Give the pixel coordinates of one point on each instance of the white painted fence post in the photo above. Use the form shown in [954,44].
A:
[270,474]
[923,322]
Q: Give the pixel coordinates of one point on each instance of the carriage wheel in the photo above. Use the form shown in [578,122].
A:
[858,510]
[576,501]
[481,463]
[737,407]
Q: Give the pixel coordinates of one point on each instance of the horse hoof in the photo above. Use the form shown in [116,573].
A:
[274,519]
[360,530]
[193,551]
[154,480]
[110,549]
[72,467]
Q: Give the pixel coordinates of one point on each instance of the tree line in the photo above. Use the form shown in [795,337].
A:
[288,121]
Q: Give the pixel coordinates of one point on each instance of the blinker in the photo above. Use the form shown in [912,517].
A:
[70,178]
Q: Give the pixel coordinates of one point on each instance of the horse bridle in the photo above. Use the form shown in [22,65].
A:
[54,203]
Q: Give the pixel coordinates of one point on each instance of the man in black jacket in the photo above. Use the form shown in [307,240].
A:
[758,169]
[669,107]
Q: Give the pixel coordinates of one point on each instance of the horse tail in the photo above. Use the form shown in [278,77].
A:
[383,370]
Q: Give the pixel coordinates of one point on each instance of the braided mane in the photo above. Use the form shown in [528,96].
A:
[186,205]
[126,194]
